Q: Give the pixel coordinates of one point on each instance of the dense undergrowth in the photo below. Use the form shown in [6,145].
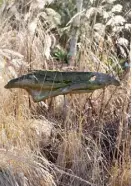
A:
[78,140]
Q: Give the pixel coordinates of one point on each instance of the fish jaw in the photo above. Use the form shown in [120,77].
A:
[17,83]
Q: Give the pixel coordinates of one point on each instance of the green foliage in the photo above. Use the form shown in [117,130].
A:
[108,21]
[66,9]
[1,1]
[59,54]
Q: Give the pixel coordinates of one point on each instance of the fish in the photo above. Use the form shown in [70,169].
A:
[41,84]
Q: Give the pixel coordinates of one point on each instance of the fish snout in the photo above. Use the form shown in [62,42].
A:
[7,85]
[14,83]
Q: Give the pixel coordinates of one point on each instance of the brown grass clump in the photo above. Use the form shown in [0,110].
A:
[20,167]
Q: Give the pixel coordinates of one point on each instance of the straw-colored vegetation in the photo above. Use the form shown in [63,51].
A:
[78,140]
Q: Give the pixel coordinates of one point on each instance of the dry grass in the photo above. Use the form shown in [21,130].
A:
[89,139]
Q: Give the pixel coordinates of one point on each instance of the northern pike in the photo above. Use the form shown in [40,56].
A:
[44,84]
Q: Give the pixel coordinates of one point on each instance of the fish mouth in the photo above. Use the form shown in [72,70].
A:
[19,82]
[12,84]
[7,86]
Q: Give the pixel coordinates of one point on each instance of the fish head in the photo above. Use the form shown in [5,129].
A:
[24,81]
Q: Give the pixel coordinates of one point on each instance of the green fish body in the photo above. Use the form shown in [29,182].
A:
[44,84]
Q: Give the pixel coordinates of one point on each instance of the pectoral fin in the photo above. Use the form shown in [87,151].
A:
[40,95]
